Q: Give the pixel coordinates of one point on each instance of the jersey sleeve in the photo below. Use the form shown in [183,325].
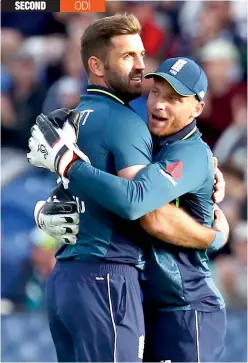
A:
[218,242]
[184,170]
[129,141]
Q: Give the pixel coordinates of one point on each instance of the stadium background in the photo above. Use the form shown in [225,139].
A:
[41,70]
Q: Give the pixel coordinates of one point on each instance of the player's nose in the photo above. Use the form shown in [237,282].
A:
[159,106]
[139,63]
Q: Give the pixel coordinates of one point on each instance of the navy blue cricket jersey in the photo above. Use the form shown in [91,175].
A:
[177,278]
[114,137]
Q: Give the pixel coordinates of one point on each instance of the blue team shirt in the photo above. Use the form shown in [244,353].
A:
[179,278]
[114,137]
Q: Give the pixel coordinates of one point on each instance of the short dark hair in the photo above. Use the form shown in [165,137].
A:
[97,37]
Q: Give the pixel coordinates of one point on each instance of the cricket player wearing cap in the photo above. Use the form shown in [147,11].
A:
[185,313]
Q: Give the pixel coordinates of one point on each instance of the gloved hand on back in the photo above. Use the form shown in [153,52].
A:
[58,216]
[53,141]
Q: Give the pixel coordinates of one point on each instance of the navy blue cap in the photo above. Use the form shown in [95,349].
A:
[184,75]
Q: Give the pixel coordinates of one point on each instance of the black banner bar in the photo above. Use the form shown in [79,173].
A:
[30,5]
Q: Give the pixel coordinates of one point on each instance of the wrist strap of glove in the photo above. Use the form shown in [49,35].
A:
[74,158]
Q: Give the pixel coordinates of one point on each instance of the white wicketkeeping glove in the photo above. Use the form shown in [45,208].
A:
[58,216]
[54,148]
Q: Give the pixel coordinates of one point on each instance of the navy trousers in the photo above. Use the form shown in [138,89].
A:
[95,312]
[184,336]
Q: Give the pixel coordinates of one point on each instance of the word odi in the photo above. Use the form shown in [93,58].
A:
[82,5]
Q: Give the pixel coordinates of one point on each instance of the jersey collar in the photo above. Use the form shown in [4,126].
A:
[183,134]
[104,91]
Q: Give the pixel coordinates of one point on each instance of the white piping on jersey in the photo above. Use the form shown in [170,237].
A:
[107,93]
[189,134]
[112,316]
[197,336]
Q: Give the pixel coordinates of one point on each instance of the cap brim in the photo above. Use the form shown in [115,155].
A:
[175,84]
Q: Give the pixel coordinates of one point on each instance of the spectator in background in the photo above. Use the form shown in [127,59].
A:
[72,63]
[24,100]
[227,29]
[153,33]
[221,62]
[169,11]
[232,144]
[231,271]
[235,198]
[203,21]
[63,93]
[11,40]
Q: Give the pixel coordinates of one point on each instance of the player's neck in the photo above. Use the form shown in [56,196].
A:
[93,81]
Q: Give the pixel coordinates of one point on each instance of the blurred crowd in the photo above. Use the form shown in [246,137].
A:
[41,70]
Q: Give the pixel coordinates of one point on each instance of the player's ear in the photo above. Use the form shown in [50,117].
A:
[96,66]
[197,109]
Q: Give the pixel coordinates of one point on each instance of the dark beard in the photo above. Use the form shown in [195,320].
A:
[121,85]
